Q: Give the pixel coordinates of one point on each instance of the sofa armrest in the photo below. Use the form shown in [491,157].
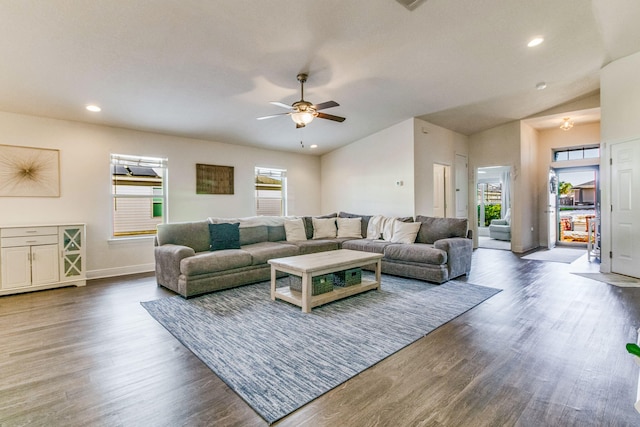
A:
[459,252]
[499,222]
[168,259]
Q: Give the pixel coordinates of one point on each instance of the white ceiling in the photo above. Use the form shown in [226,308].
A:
[207,69]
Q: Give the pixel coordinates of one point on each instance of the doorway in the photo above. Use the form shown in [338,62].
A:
[493,207]
[577,198]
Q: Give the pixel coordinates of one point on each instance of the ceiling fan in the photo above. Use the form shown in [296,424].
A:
[303,112]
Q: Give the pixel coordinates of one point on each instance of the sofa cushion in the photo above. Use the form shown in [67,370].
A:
[294,230]
[211,262]
[405,232]
[255,234]
[224,236]
[308,223]
[349,227]
[419,252]
[324,228]
[433,229]
[313,246]
[264,251]
[276,233]
[366,245]
[364,223]
[193,234]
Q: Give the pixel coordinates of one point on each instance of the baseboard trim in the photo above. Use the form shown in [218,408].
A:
[120,271]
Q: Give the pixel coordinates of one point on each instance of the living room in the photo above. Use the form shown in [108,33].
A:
[386,171]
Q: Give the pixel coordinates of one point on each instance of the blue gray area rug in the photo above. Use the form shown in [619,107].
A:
[278,358]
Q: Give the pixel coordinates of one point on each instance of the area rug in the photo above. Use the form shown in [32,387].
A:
[278,358]
[565,255]
[612,279]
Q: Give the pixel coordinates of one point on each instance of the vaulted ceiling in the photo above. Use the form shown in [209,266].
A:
[208,69]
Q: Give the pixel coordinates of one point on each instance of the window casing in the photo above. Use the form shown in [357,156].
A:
[271,191]
[138,193]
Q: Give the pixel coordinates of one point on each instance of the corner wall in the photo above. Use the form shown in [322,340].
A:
[620,99]
[86,193]
[502,146]
[361,177]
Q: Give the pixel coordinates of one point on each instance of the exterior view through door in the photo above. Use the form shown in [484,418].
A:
[493,204]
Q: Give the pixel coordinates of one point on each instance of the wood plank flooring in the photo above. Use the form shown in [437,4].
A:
[547,351]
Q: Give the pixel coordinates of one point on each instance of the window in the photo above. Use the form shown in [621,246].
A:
[271,191]
[138,193]
[590,152]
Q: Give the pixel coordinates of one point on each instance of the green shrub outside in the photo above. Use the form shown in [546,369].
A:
[490,212]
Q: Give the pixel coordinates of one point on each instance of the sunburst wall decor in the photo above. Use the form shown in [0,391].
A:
[29,172]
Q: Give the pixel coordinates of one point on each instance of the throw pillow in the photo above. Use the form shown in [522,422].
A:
[350,227]
[308,223]
[405,232]
[294,230]
[224,236]
[364,222]
[324,228]
[440,228]
[374,228]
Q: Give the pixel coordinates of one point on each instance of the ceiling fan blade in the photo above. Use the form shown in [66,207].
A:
[272,116]
[280,104]
[327,104]
[331,117]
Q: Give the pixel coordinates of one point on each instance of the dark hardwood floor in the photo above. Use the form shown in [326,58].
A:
[547,351]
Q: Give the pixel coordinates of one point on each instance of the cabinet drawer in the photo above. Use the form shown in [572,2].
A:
[10,242]
[28,231]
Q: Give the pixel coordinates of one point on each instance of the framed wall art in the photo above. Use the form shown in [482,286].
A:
[29,172]
[212,179]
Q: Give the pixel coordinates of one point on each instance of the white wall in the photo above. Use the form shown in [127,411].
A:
[85,183]
[361,177]
[526,188]
[435,144]
[620,103]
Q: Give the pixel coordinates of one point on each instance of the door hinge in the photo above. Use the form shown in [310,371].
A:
[610,254]
[611,208]
[611,160]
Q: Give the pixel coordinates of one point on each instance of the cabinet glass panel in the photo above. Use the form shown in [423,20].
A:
[72,265]
[72,239]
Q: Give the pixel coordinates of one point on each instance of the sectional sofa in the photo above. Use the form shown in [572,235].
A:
[188,263]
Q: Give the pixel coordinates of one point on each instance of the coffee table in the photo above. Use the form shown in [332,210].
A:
[310,265]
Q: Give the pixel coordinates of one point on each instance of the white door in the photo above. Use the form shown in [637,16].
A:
[44,264]
[625,212]
[440,185]
[16,267]
[462,187]
[551,209]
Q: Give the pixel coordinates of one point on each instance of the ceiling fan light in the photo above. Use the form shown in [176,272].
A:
[302,117]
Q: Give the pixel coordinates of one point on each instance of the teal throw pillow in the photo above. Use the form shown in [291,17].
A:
[224,236]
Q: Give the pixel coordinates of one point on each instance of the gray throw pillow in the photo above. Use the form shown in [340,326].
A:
[224,236]
[433,229]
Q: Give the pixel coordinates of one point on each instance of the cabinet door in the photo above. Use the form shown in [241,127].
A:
[16,267]
[72,260]
[44,264]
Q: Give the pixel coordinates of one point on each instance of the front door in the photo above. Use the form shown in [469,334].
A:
[625,213]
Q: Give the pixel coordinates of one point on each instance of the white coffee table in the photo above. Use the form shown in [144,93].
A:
[310,265]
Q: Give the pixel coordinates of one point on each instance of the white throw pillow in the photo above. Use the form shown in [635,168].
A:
[324,228]
[294,230]
[374,228]
[405,232]
[350,227]
[387,230]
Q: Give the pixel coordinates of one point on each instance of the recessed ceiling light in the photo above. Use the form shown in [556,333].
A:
[535,41]
[93,108]
[313,146]
[541,86]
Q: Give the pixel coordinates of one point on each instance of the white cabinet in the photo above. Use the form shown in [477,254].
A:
[41,257]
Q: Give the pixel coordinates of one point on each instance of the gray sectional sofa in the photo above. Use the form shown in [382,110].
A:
[186,264]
